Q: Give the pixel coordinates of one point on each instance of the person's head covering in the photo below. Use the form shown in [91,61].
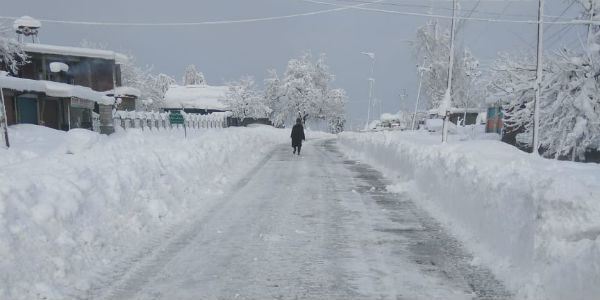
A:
[298,121]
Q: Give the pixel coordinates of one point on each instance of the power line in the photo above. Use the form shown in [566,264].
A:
[449,9]
[318,12]
[461,24]
[557,36]
[488,24]
[582,22]
[221,22]
[562,13]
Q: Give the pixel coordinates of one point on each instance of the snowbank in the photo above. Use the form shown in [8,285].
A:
[534,221]
[74,202]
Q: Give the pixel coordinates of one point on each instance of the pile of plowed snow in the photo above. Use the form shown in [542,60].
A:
[73,202]
[534,221]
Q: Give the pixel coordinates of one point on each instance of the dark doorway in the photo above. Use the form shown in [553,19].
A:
[27,108]
[50,113]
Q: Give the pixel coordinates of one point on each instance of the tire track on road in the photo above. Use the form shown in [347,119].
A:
[125,278]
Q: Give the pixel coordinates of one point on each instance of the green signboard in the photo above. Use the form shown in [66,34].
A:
[175,117]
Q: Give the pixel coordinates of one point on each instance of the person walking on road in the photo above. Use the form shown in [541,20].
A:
[297,136]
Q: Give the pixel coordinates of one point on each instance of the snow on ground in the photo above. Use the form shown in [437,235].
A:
[534,221]
[76,201]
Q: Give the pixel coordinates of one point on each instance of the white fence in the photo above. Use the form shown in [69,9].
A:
[96,122]
[156,120]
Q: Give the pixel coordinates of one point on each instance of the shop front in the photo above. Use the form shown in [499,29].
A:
[80,115]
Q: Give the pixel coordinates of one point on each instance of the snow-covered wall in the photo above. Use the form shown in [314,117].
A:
[74,202]
[534,221]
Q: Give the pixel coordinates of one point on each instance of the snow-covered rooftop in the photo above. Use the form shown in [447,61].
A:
[195,96]
[124,91]
[75,51]
[54,89]
[26,21]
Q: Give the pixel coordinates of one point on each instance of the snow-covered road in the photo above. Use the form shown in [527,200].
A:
[314,227]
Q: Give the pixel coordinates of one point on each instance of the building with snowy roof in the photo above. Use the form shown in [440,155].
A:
[201,99]
[61,87]
[463,115]
[125,97]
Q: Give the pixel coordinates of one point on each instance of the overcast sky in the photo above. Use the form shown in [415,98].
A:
[227,51]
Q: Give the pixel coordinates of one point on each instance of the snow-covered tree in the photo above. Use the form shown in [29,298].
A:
[193,77]
[244,101]
[12,54]
[306,92]
[570,108]
[467,73]
[511,85]
[335,110]
[432,47]
[299,86]
[158,87]
[570,102]
[274,98]
[142,79]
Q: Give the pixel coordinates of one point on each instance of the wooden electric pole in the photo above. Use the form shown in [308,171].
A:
[447,101]
[4,119]
[538,81]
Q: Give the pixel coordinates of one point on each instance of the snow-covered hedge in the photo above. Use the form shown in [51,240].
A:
[73,202]
[534,221]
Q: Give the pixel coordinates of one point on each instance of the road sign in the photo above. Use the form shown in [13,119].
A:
[175,117]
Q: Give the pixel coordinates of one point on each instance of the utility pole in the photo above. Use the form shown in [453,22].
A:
[447,101]
[538,81]
[412,127]
[590,26]
[371,83]
[4,119]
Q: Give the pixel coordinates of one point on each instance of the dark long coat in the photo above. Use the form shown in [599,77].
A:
[297,135]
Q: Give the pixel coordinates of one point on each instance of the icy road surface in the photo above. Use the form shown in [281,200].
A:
[310,227]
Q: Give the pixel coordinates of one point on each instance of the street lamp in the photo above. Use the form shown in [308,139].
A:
[371,55]
[421,69]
